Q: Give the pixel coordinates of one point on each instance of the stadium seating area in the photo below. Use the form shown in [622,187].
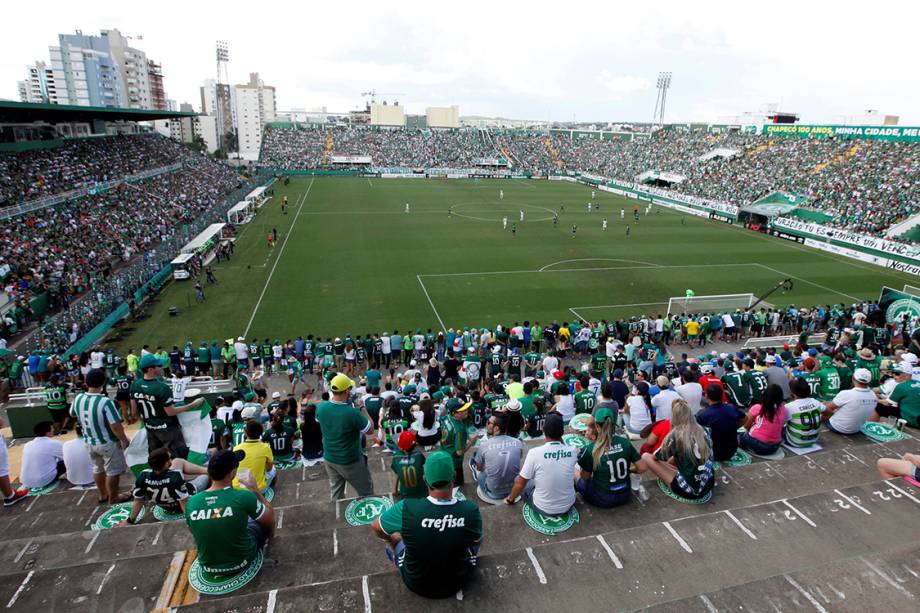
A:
[78,247]
[866,185]
[782,532]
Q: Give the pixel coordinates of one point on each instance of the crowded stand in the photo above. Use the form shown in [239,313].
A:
[864,185]
[548,417]
[75,251]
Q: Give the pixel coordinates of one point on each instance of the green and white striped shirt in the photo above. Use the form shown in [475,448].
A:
[95,412]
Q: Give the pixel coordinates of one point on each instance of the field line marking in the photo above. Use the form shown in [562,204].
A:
[599,260]
[436,314]
[610,306]
[271,273]
[655,267]
[577,314]
[818,285]
[369,182]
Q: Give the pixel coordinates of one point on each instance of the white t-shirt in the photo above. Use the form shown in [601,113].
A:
[566,408]
[39,461]
[638,413]
[610,348]
[385,344]
[692,393]
[552,466]
[241,350]
[727,321]
[662,402]
[550,363]
[96,358]
[854,406]
[78,463]
[420,420]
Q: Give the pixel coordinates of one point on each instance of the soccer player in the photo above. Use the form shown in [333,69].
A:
[522,214]
[513,229]
[574,230]
[555,219]
[604,224]
[501,194]
[284,205]
[505,222]
[450,211]
[628,230]
[592,194]
[622,213]
[407,208]
[589,207]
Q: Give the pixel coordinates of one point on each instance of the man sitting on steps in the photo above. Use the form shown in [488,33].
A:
[433,541]
[165,483]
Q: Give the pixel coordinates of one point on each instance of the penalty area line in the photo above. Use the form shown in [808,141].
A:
[436,314]
[277,259]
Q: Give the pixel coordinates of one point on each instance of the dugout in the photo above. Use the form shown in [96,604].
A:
[241,212]
[660,178]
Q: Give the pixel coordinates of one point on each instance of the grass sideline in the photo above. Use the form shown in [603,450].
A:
[350,260]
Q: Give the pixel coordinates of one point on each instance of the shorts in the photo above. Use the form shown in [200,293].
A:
[122,396]
[243,362]
[680,487]
[4,458]
[171,438]
[107,458]
[599,498]
[59,416]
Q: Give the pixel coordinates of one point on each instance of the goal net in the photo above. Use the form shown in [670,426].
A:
[714,303]
[912,290]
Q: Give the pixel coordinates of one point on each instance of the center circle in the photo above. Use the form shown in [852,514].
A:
[512,213]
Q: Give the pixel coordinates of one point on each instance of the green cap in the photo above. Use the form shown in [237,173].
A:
[602,415]
[439,470]
[149,360]
[455,405]
[437,396]
[409,388]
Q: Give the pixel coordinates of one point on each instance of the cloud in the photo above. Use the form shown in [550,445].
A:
[622,84]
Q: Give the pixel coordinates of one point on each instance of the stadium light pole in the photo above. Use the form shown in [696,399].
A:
[223,56]
[663,83]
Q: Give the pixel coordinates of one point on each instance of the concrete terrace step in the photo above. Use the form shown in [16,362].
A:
[648,565]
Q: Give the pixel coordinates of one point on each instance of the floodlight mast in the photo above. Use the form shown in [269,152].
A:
[662,85]
[222,56]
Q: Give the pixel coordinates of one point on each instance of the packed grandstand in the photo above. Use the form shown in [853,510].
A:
[619,445]
[864,185]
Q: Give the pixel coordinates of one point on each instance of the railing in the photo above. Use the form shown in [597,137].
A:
[108,294]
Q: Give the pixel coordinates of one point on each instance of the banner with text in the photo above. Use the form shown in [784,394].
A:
[895,133]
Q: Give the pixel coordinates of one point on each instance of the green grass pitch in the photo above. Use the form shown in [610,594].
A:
[350,260]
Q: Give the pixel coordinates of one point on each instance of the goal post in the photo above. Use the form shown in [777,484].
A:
[709,304]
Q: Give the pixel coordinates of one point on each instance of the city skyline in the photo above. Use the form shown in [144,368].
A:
[588,63]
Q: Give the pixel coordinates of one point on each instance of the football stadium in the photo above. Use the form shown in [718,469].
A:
[264,360]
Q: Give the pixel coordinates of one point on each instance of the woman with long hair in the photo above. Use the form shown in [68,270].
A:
[311,434]
[564,403]
[638,411]
[684,460]
[606,463]
[426,421]
[765,423]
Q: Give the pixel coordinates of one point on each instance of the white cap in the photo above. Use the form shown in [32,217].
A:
[705,368]
[276,394]
[237,405]
[513,405]
[249,412]
[910,358]
[240,338]
[770,359]
[412,363]
[862,375]
[903,368]
[471,350]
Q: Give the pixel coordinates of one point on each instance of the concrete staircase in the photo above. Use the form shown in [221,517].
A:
[820,532]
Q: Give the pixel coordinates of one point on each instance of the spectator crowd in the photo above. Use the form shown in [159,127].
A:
[865,185]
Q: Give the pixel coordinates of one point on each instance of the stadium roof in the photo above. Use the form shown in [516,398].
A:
[28,112]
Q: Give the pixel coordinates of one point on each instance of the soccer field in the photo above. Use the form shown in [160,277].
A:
[350,260]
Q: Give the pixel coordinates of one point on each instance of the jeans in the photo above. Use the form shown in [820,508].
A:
[527,495]
[601,499]
[755,446]
[480,477]
[258,533]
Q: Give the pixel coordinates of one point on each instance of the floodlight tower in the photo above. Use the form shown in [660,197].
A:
[664,82]
[223,56]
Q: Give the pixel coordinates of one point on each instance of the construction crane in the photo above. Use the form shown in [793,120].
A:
[374,93]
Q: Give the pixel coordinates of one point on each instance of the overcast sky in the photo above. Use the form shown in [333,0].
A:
[534,60]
